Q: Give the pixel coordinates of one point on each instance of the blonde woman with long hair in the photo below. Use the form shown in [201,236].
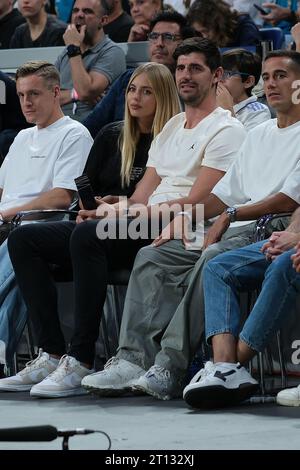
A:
[119,155]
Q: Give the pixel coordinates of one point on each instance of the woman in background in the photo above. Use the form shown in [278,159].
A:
[216,21]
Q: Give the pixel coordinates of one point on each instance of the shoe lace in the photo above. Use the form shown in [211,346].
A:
[112,361]
[64,366]
[34,363]
[159,371]
[206,370]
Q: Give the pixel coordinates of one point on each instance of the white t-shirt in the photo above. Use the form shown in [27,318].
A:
[251,112]
[178,153]
[42,159]
[268,163]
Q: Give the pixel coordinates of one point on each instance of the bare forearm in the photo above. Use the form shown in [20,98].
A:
[295,222]
[83,82]
[212,206]
[277,203]
[54,199]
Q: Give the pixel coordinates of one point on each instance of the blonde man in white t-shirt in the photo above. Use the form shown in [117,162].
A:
[39,169]
[187,158]
[162,323]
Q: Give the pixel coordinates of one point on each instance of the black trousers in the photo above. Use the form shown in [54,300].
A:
[35,248]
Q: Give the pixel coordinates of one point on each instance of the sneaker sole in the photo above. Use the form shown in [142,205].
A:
[107,392]
[16,388]
[217,396]
[60,394]
[152,393]
[287,402]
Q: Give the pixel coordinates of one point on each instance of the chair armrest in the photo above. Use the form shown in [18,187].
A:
[40,214]
[263,224]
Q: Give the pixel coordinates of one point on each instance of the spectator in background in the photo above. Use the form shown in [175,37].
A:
[281,13]
[40,30]
[169,29]
[142,12]
[119,22]
[10,18]
[90,62]
[242,70]
[215,20]
[11,117]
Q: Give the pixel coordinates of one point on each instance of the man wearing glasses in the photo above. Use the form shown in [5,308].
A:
[242,70]
[167,30]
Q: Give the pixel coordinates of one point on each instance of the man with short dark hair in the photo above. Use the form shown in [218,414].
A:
[90,62]
[167,30]
[163,317]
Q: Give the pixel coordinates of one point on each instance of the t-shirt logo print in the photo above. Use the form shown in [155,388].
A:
[192,147]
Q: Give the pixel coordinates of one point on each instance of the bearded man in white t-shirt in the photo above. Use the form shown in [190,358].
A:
[162,323]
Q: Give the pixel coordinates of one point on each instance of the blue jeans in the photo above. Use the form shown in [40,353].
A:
[13,312]
[243,270]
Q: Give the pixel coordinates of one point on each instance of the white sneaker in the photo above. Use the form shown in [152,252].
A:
[218,385]
[65,381]
[115,379]
[34,372]
[289,397]
[159,383]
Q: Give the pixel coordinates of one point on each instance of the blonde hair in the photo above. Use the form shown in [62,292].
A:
[167,105]
[42,69]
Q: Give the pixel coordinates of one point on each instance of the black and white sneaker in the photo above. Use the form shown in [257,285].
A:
[218,385]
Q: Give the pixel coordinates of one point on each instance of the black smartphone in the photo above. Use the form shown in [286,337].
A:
[85,192]
[260,9]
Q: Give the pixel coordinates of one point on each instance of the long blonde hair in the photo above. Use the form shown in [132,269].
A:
[167,105]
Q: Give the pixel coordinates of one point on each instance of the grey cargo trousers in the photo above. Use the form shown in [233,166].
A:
[163,317]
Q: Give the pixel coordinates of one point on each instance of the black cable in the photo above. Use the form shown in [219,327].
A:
[107,436]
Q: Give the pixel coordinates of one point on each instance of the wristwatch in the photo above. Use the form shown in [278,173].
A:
[73,50]
[231,212]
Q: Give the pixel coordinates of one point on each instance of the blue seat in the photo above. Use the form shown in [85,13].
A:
[273,34]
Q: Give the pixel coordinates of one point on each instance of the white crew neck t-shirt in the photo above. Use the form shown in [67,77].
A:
[42,159]
[268,163]
[177,154]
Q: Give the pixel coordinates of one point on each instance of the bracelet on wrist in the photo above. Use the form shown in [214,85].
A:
[74,95]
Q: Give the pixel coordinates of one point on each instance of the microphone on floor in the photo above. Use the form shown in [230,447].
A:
[44,433]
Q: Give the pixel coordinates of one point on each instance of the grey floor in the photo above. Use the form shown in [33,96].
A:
[135,423]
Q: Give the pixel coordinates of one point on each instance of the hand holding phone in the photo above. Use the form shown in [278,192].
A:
[85,192]
[260,9]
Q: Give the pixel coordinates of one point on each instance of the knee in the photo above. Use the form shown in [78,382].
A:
[83,237]
[211,252]
[18,237]
[282,266]
[147,254]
